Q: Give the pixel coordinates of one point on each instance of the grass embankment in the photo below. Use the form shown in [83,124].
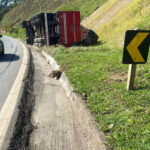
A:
[97,72]
[134,14]
[29,8]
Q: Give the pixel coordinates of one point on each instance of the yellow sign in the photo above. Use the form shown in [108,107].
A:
[6,27]
[132,48]
[136,47]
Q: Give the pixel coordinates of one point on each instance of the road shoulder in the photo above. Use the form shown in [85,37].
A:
[60,122]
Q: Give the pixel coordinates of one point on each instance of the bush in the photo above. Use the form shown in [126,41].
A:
[16,32]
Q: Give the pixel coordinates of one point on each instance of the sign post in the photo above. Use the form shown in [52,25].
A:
[6,28]
[131,76]
[136,49]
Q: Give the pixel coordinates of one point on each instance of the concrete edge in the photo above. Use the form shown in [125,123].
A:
[95,138]
[9,111]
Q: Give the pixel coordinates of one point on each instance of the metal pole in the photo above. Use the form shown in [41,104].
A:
[131,76]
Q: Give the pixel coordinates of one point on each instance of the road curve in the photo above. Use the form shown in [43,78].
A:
[9,66]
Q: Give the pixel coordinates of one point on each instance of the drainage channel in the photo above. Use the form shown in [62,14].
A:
[23,126]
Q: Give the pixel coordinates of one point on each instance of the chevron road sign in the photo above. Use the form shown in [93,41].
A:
[136,47]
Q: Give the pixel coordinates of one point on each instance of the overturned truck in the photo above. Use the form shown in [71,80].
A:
[58,28]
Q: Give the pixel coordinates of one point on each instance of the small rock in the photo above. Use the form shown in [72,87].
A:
[55,73]
[111,126]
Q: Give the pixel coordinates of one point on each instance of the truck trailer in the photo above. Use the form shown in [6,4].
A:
[62,28]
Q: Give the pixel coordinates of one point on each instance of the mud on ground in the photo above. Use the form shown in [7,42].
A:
[23,127]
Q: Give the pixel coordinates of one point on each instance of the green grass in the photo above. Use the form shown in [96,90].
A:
[29,8]
[98,73]
[86,7]
[16,32]
[3,12]
[134,15]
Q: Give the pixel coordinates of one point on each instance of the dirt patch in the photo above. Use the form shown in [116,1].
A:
[118,77]
[23,127]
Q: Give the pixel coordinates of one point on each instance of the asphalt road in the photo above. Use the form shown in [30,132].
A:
[9,66]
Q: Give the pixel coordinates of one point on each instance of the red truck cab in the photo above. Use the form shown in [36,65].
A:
[69,26]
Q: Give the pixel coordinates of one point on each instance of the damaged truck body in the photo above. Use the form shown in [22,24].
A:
[61,28]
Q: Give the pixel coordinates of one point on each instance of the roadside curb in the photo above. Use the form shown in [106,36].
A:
[95,138]
[9,111]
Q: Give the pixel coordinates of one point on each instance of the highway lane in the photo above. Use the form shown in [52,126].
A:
[10,64]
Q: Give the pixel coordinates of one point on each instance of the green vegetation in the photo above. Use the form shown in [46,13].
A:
[29,8]
[3,11]
[16,32]
[124,116]
[5,8]
[86,7]
[97,73]
[134,14]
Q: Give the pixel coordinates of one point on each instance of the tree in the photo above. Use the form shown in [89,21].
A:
[6,5]
[18,1]
[4,2]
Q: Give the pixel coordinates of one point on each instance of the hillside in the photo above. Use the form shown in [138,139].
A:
[31,7]
[96,72]
[115,17]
